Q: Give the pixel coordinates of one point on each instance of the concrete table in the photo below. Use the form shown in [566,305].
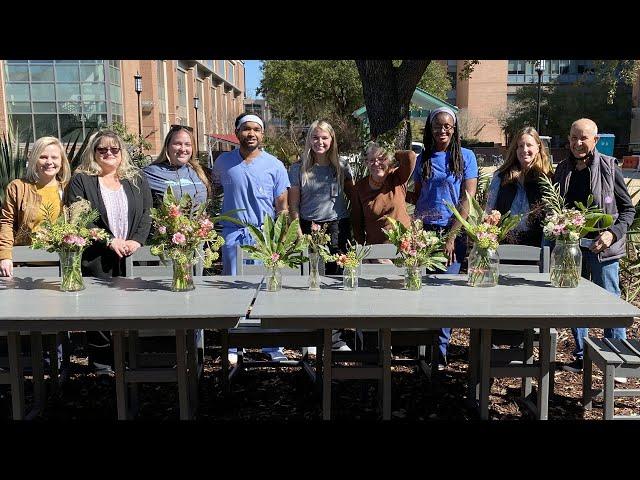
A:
[37,304]
[520,301]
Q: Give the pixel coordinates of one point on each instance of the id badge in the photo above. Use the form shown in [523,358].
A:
[334,190]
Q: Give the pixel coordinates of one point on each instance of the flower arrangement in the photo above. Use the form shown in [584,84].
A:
[69,235]
[317,242]
[179,230]
[277,245]
[566,226]
[417,248]
[486,230]
[350,261]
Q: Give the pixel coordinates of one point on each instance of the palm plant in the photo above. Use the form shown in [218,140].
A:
[630,263]
[13,160]
[74,156]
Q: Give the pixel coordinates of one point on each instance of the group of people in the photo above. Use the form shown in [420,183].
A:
[319,189]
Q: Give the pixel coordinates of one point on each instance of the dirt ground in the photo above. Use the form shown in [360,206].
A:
[286,394]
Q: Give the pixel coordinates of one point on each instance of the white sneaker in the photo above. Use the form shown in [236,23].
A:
[620,379]
[233,358]
[311,350]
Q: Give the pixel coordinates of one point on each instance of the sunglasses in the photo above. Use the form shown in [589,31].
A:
[104,150]
[174,128]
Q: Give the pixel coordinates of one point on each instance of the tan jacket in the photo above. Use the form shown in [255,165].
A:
[18,216]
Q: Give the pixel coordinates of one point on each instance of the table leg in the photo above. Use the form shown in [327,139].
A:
[485,369]
[121,388]
[183,381]
[543,388]
[327,374]
[473,389]
[386,373]
[37,368]
[134,398]
[192,362]
[17,377]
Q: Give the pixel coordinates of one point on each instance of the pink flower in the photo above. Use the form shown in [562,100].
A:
[94,233]
[162,229]
[178,238]
[315,227]
[74,240]
[275,257]
[174,211]
[413,253]
[341,260]
[206,224]
[405,246]
[203,232]
[80,241]
[493,218]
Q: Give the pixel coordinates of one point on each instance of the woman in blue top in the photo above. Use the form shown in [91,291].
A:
[444,171]
[178,168]
[515,187]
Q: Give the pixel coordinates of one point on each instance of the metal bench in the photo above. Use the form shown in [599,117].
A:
[615,358]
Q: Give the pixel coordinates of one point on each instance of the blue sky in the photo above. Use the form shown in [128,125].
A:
[253,76]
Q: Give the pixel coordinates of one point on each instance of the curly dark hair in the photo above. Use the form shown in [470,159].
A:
[454,148]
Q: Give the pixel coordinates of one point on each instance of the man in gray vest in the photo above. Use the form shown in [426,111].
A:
[587,172]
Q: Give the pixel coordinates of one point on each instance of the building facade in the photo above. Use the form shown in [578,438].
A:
[70,98]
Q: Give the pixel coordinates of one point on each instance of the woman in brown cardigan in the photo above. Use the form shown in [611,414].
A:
[381,193]
[28,199]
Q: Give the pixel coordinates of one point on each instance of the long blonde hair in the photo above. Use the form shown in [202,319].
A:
[510,170]
[90,165]
[163,156]
[31,173]
[308,159]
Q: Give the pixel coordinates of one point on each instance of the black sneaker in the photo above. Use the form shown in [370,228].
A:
[574,367]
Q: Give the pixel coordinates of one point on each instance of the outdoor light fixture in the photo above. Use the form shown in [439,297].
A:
[196,105]
[138,86]
[539,67]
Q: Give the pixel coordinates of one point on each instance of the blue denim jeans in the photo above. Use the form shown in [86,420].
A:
[460,249]
[606,275]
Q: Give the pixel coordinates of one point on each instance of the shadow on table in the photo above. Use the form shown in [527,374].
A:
[230,284]
[29,283]
[512,281]
[134,284]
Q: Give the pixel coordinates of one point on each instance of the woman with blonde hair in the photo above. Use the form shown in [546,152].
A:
[29,199]
[117,189]
[515,186]
[177,167]
[321,183]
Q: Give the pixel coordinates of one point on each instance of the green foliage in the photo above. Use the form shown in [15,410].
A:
[277,243]
[354,256]
[482,190]
[417,247]
[136,144]
[75,156]
[317,241]
[13,160]
[435,80]
[285,145]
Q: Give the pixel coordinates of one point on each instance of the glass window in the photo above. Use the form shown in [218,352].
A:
[44,107]
[68,91]
[41,73]
[17,73]
[92,73]
[15,62]
[114,76]
[69,107]
[43,92]
[93,91]
[232,73]
[116,109]
[67,61]
[22,124]
[564,67]
[90,61]
[19,107]
[95,121]
[220,69]
[47,62]
[70,125]
[181,78]
[18,92]
[114,63]
[554,67]
[116,118]
[115,93]
[67,73]
[94,107]
[46,125]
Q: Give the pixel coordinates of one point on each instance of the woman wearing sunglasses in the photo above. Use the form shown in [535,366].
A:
[118,190]
[178,168]
[382,193]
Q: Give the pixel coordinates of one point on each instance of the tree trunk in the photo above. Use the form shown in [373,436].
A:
[387,94]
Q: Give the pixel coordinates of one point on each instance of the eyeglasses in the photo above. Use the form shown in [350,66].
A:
[380,160]
[437,128]
[104,150]
[174,128]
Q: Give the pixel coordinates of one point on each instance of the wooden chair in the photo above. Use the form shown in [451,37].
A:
[30,263]
[249,334]
[152,353]
[517,360]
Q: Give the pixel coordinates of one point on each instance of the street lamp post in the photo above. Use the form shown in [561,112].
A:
[138,86]
[540,64]
[196,105]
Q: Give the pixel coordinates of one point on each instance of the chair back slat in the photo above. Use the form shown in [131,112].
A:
[530,259]
[143,264]
[30,262]
[243,268]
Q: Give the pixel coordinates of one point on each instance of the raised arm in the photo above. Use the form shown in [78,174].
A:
[406,163]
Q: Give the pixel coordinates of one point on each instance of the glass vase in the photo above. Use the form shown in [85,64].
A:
[183,273]
[274,279]
[350,278]
[483,269]
[314,272]
[566,264]
[412,278]
[70,266]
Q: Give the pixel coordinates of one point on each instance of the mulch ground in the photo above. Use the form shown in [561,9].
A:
[286,394]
